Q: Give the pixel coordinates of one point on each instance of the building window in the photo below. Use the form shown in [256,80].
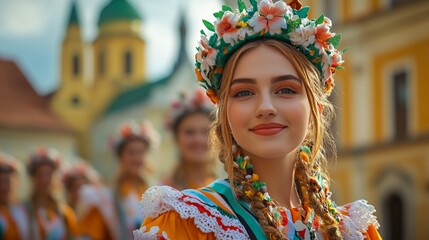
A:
[128,63]
[75,101]
[101,62]
[400,104]
[75,65]
[394,216]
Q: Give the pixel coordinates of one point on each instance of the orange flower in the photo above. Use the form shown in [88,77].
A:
[212,95]
[198,73]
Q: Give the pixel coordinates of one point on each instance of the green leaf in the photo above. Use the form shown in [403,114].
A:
[219,14]
[226,8]
[335,40]
[320,19]
[303,12]
[208,25]
[254,5]
[344,51]
[202,32]
[241,5]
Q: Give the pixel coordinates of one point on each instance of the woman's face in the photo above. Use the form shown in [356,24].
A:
[42,178]
[192,138]
[133,157]
[268,110]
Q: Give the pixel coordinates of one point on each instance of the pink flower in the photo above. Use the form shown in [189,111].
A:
[270,17]
[227,27]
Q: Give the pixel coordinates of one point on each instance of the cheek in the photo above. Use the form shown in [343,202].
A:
[238,117]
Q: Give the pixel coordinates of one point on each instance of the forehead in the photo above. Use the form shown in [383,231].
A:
[263,62]
[195,120]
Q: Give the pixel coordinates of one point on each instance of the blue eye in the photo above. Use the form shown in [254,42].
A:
[243,93]
[286,91]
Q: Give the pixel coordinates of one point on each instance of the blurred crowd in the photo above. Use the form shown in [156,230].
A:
[89,209]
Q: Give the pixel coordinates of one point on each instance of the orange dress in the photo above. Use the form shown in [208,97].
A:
[213,212]
[97,217]
[49,223]
[13,222]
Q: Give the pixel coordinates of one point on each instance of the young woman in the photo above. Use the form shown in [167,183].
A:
[93,203]
[13,218]
[49,218]
[269,70]
[132,145]
[189,120]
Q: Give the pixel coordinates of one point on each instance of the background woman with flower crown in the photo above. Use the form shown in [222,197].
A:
[91,201]
[131,145]
[270,71]
[189,120]
[13,217]
[48,217]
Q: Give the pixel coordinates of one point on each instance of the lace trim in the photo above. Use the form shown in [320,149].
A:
[153,234]
[357,220]
[160,199]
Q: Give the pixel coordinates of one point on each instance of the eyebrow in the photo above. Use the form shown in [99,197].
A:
[273,80]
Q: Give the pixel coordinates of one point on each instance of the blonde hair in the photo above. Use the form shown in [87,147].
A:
[317,137]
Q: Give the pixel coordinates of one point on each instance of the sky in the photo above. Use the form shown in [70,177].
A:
[31,32]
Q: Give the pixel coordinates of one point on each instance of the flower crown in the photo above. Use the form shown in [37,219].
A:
[131,129]
[80,168]
[43,155]
[186,103]
[7,163]
[280,21]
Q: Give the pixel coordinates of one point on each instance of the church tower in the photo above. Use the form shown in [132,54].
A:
[71,100]
[119,52]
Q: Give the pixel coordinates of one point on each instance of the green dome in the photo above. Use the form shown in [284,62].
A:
[118,10]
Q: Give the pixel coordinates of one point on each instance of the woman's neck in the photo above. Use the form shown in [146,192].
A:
[278,174]
[42,199]
[195,173]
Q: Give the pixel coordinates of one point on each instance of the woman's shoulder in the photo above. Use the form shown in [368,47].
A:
[358,221]
[194,211]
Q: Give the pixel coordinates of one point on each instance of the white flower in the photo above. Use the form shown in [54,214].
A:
[304,35]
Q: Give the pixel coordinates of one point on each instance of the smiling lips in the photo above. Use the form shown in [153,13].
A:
[268,129]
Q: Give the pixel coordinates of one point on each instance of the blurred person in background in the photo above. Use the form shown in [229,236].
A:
[49,217]
[92,201]
[132,144]
[189,120]
[13,218]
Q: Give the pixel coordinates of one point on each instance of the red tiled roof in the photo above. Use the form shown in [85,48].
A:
[20,105]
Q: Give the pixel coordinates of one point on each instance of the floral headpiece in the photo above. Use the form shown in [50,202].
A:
[79,169]
[280,21]
[7,163]
[43,156]
[187,103]
[131,129]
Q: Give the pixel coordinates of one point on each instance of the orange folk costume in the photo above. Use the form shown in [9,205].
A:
[215,211]
[52,222]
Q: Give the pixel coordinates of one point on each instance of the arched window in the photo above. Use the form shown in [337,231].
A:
[75,101]
[75,65]
[128,63]
[394,216]
[400,101]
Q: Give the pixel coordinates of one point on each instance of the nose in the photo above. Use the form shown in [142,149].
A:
[266,106]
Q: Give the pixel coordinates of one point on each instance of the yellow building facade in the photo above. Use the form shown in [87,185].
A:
[93,74]
[382,124]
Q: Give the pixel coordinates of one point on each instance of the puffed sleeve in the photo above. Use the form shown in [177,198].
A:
[170,226]
[359,221]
